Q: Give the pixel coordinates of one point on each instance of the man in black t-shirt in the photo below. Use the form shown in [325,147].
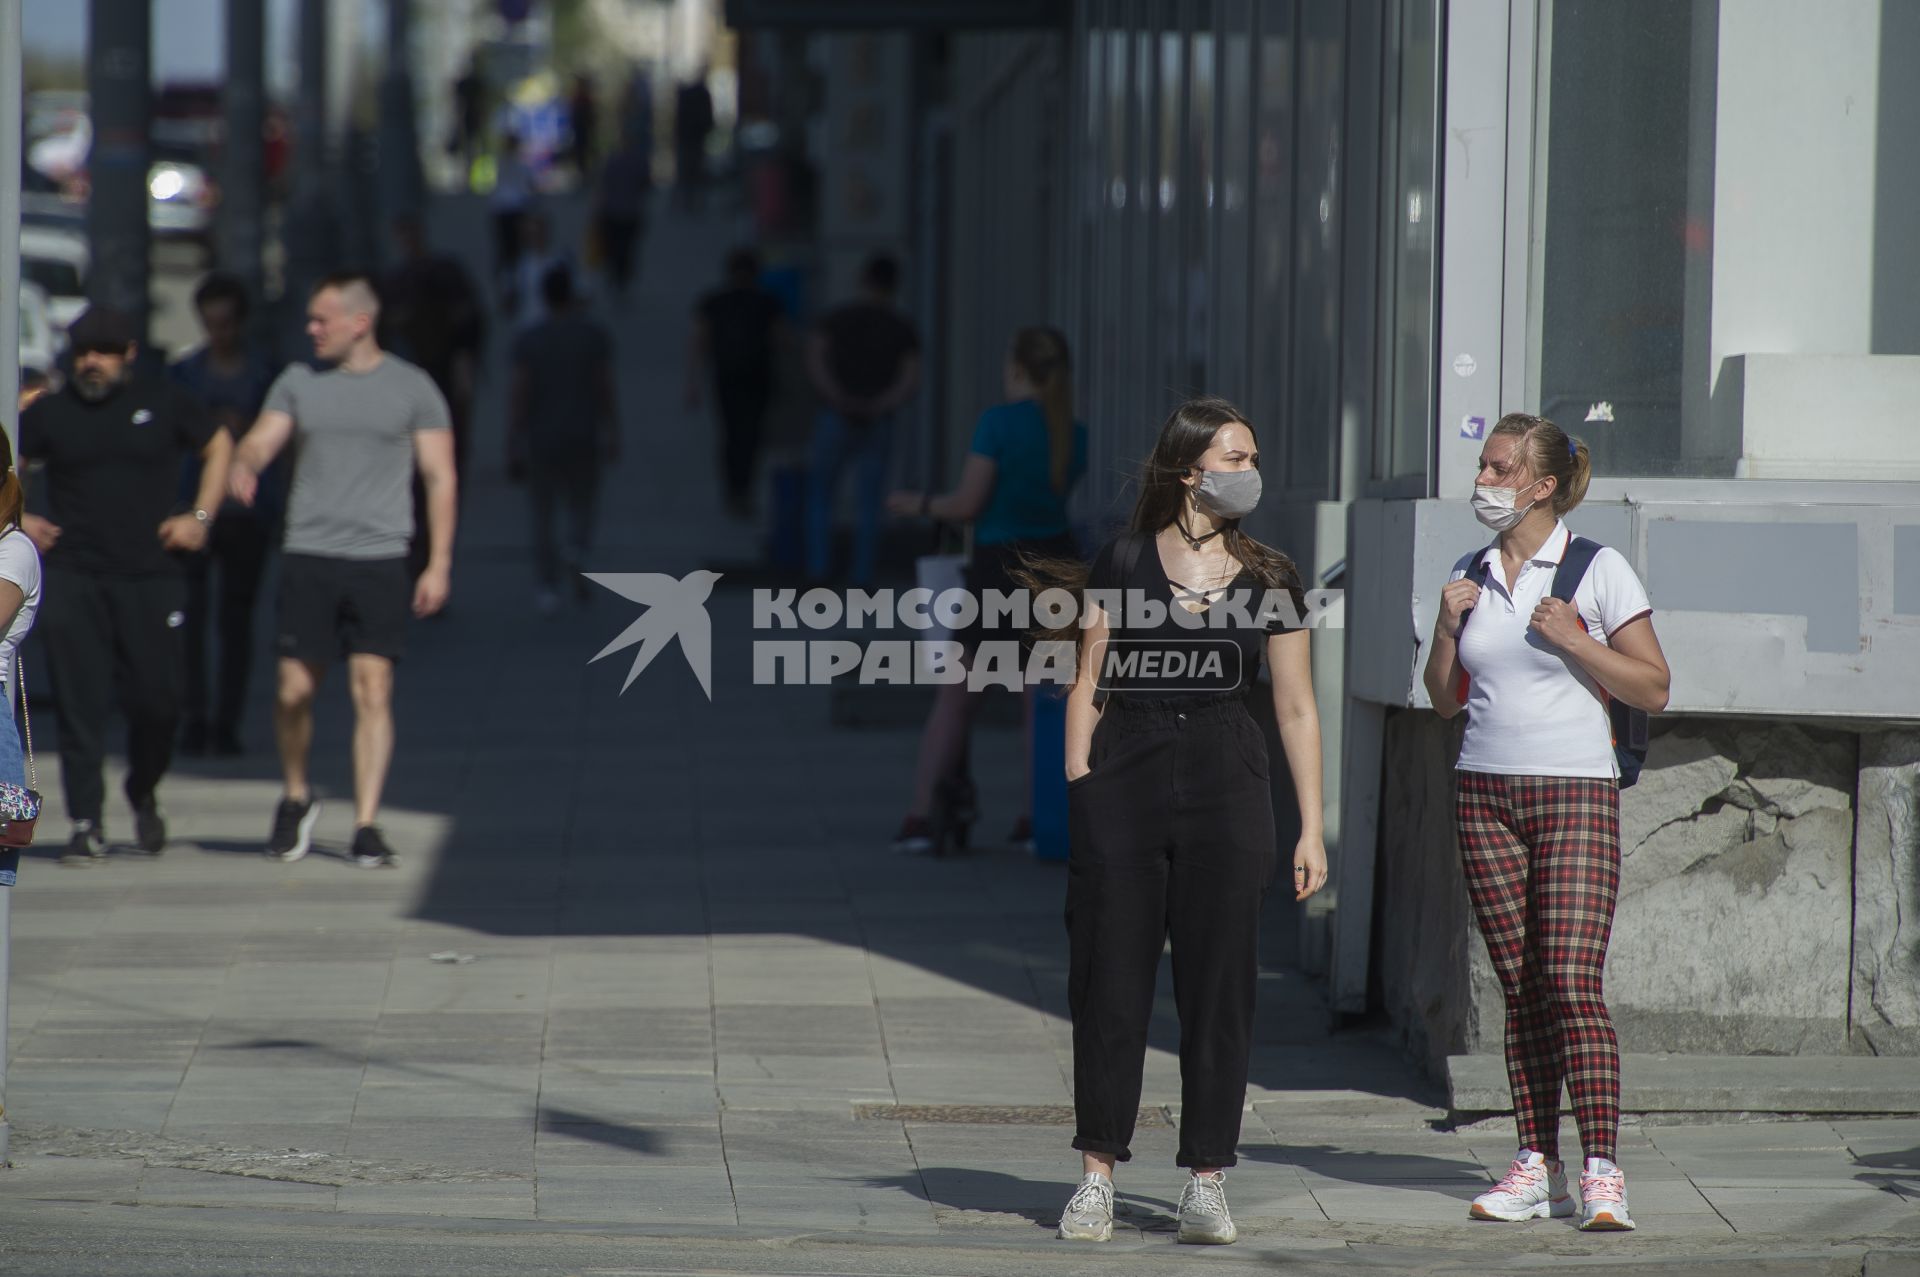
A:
[864,360]
[113,446]
[735,332]
[563,430]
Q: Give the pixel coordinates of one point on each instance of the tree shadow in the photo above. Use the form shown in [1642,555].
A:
[579,1126]
[1448,1178]
[1039,1202]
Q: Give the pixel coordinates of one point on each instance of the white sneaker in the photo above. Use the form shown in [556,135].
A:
[1204,1220]
[1533,1188]
[1603,1198]
[1089,1213]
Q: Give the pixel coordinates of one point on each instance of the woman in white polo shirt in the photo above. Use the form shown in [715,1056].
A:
[1537,804]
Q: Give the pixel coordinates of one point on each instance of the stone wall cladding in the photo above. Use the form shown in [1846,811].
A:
[1886,937]
[1741,929]
[1735,919]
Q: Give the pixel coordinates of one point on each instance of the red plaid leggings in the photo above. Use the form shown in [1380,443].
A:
[1542,859]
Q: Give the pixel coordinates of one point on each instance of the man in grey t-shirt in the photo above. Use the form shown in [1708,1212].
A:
[359,429]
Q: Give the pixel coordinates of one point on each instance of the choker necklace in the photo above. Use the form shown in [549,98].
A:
[1194,542]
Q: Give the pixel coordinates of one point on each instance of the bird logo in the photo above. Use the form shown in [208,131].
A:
[676,608]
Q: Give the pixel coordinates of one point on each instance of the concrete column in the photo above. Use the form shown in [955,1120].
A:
[243,194]
[309,224]
[401,181]
[119,74]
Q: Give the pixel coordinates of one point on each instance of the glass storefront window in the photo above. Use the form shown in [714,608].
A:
[1235,199]
[1273,221]
[1197,254]
[1623,187]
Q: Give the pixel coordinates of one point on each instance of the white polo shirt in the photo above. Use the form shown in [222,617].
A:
[1531,709]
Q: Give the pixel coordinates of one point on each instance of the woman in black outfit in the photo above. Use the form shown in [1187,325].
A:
[1170,805]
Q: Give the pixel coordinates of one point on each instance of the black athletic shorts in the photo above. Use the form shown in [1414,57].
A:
[336,607]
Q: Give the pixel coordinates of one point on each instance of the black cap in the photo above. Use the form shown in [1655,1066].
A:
[102,328]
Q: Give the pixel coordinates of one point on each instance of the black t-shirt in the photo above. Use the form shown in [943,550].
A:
[866,345]
[564,359]
[113,472]
[740,325]
[1215,651]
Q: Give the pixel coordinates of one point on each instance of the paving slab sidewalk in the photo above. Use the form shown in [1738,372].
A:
[647,958]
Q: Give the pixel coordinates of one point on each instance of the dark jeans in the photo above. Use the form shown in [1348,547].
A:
[619,238]
[569,482]
[1172,838]
[237,553]
[105,634]
[837,444]
[506,240]
[743,418]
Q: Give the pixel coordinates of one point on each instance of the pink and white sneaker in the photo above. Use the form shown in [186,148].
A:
[1533,1188]
[1603,1198]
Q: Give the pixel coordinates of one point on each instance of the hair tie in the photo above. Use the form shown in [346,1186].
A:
[1573,449]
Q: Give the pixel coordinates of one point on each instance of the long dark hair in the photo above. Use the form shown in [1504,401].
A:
[1041,353]
[1184,438]
[13,497]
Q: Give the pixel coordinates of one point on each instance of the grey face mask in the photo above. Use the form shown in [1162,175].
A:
[1229,494]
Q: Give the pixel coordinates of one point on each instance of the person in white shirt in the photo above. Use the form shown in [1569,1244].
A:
[19,604]
[1537,801]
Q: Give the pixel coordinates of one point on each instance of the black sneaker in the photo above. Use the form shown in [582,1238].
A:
[149,826]
[292,835]
[87,845]
[370,850]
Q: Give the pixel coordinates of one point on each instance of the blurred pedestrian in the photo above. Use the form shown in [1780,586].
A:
[636,108]
[692,122]
[231,379]
[864,360]
[563,428]
[1026,456]
[538,255]
[112,443]
[736,331]
[469,119]
[431,315]
[361,426]
[620,206]
[583,116]
[509,201]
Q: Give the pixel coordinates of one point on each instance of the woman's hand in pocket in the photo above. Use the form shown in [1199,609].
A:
[1078,771]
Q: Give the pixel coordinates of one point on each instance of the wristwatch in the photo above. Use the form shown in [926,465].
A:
[202,515]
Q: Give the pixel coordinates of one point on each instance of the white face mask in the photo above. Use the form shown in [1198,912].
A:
[1495,507]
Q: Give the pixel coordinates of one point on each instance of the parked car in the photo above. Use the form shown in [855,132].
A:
[57,261]
[181,197]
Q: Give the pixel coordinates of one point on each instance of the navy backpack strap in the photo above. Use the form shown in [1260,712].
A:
[1573,567]
[1479,573]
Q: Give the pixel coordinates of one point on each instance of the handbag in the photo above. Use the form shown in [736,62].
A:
[20,807]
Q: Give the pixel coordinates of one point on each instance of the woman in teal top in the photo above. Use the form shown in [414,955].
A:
[1027,454]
